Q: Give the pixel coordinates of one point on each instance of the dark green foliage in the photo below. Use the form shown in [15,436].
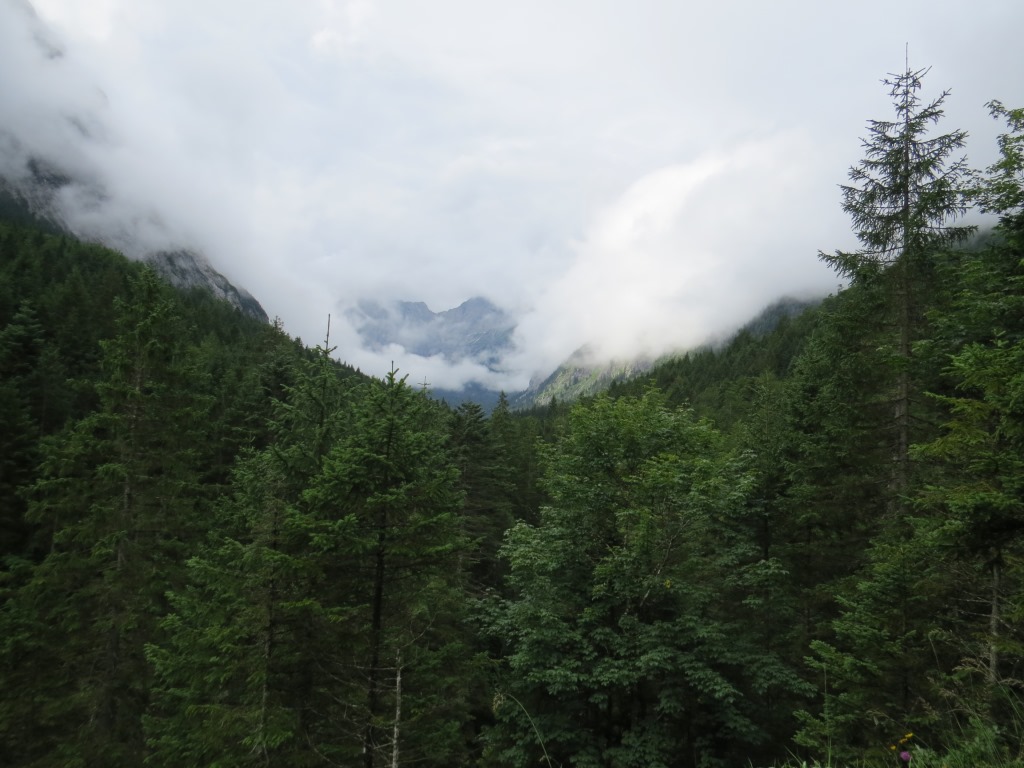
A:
[716,381]
[486,478]
[320,623]
[222,548]
[235,676]
[392,485]
[116,503]
[920,627]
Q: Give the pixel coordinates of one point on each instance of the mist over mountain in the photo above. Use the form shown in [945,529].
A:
[582,375]
[604,186]
[320,164]
[36,195]
[476,329]
[54,169]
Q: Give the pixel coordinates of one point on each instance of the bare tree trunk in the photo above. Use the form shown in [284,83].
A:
[993,625]
[372,696]
[398,709]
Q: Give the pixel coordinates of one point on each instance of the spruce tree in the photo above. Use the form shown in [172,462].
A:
[977,496]
[903,198]
[485,477]
[397,567]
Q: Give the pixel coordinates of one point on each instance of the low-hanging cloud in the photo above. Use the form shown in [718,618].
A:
[686,253]
[630,181]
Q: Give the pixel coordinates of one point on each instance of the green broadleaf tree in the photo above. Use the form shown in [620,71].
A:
[619,652]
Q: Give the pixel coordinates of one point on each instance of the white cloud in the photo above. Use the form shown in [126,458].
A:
[630,177]
[686,252]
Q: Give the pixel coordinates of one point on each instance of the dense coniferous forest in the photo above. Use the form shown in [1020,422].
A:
[223,548]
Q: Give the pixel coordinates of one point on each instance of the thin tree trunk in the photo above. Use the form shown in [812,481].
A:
[993,626]
[398,709]
[373,695]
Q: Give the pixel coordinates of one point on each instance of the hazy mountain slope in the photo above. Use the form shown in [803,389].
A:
[35,198]
[475,330]
[577,378]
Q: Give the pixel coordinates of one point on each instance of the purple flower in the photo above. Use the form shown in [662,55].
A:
[905,756]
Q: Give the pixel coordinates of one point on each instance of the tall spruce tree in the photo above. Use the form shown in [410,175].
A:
[401,670]
[903,197]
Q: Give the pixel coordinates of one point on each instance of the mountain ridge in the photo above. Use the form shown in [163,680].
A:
[34,198]
[476,330]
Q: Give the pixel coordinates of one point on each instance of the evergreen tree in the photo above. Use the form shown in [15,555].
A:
[321,623]
[977,499]
[902,198]
[485,476]
[235,676]
[401,671]
[117,502]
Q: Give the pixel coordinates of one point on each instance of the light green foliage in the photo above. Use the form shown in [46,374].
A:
[618,646]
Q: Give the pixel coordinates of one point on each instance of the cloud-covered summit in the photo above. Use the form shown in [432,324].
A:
[628,177]
[476,330]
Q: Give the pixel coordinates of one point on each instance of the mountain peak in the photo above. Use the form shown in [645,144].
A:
[475,330]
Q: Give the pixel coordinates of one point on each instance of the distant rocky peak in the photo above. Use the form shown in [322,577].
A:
[476,329]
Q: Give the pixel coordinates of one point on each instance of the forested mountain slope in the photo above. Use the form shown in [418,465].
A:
[223,548]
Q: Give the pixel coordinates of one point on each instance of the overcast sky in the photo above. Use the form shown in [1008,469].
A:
[634,175]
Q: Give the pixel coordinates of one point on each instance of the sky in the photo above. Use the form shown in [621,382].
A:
[638,177]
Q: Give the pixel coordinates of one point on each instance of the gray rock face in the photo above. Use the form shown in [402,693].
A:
[476,329]
[188,269]
[35,195]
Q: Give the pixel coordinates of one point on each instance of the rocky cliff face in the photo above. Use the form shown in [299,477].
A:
[35,193]
[475,330]
[188,269]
